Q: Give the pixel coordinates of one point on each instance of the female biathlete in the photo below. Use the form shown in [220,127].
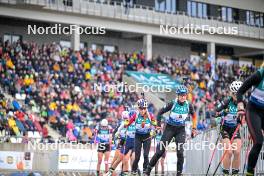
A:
[254,114]
[145,124]
[179,109]
[230,122]
[125,148]
[103,132]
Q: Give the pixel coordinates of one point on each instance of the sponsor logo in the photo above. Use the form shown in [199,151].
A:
[9,159]
[64,158]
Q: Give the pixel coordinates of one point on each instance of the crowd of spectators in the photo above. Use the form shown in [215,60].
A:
[206,88]
[61,86]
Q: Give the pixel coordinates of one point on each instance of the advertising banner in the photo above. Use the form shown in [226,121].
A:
[16,160]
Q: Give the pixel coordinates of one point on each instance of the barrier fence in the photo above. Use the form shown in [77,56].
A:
[200,158]
[59,158]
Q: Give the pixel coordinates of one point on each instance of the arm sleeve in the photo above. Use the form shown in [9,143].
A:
[132,119]
[115,130]
[253,80]
[153,120]
[166,108]
[120,127]
[223,105]
[163,110]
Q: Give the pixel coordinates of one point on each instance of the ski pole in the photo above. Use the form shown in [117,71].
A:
[218,137]
[123,152]
[246,157]
[231,141]
[150,137]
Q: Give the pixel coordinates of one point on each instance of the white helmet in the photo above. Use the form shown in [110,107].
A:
[10,113]
[235,85]
[104,122]
[125,115]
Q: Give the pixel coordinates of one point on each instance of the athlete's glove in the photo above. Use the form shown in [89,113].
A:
[152,133]
[194,133]
[126,122]
[117,135]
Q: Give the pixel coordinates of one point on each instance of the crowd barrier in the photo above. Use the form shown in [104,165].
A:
[83,157]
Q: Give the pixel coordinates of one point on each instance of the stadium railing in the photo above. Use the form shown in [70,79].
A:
[200,165]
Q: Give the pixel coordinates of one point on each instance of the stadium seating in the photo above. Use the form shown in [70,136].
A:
[57,83]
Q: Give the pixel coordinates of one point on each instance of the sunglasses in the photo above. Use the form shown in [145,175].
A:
[142,108]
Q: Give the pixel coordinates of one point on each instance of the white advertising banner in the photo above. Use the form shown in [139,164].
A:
[76,159]
[86,159]
[16,160]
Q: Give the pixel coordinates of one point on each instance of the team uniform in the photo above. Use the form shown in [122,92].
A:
[130,138]
[230,119]
[126,142]
[122,136]
[175,127]
[228,128]
[103,138]
[144,129]
[254,115]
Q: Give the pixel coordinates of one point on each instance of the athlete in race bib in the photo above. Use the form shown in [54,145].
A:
[254,114]
[104,137]
[180,109]
[145,124]
[126,145]
[230,122]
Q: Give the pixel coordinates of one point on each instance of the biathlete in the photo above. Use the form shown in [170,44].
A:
[254,114]
[125,147]
[103,134]
[145,124]
[180,109]
[230,122]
